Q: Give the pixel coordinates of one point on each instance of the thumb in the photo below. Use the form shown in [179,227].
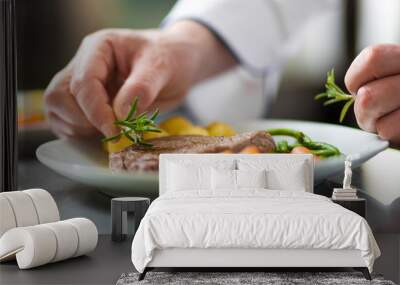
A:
[145,82]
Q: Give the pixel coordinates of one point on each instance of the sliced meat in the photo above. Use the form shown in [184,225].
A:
[136,158]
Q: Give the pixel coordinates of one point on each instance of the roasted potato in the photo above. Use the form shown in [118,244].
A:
[220,129]
[194,130]
[176,124]
[121,144]
[154,135]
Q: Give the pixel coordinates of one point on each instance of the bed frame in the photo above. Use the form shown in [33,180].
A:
[249,259]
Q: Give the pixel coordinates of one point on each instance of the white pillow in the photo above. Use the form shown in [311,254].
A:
[293,179]
[184,177]
[226,179]
[185,174]
[251,178]
[282,173]
[223,179]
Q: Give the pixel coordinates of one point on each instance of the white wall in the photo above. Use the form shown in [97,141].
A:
[378,21]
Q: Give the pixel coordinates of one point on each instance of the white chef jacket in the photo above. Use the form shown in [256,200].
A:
[261,34]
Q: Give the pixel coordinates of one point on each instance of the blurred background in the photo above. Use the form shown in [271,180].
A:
[50,31]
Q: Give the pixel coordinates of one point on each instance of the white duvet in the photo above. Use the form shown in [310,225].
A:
[250,219]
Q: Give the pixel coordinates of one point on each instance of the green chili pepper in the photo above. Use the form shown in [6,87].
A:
[316,148]
[283,147]
[299,136]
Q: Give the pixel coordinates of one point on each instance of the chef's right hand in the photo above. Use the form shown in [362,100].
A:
[374,79]
[112,67]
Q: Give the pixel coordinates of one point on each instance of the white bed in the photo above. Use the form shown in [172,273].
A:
[199,225]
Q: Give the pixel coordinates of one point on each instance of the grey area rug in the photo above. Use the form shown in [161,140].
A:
[233,278]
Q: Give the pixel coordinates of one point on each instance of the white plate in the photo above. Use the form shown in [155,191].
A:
[86,162]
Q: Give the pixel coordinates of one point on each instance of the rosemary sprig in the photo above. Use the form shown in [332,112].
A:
[134,126]
[334,94]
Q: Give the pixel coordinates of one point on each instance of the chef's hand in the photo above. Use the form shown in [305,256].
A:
[112,67]
[374,77]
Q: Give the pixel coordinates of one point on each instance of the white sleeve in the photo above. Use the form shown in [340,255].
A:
[255,31]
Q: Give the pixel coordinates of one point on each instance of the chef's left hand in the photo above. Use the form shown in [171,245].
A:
[374,78]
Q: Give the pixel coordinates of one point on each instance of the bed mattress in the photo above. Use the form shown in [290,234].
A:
[250,219]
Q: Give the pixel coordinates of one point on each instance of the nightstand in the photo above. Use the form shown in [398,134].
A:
[119,214]
[358,206]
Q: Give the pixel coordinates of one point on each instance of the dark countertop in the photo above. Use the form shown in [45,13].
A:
[379,180]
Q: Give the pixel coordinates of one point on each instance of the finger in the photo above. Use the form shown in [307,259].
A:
[60,101]
[93,64]
[376,99]
[148,77]
[68,110]
[166,104]
[373,63]
[93,100]
[60,127]
[388,127]
[63,129]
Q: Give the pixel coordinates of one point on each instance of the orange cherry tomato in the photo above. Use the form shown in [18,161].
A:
[250,149]
[304,150]
[300,150]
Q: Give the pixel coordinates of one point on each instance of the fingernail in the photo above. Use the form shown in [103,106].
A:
[128,104]
[125,110]
[109,130]
[141,102]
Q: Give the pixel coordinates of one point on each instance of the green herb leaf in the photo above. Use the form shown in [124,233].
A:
[134,126]
[111,138]
[155,114]
[335,94]
[132,111]
[345,109]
